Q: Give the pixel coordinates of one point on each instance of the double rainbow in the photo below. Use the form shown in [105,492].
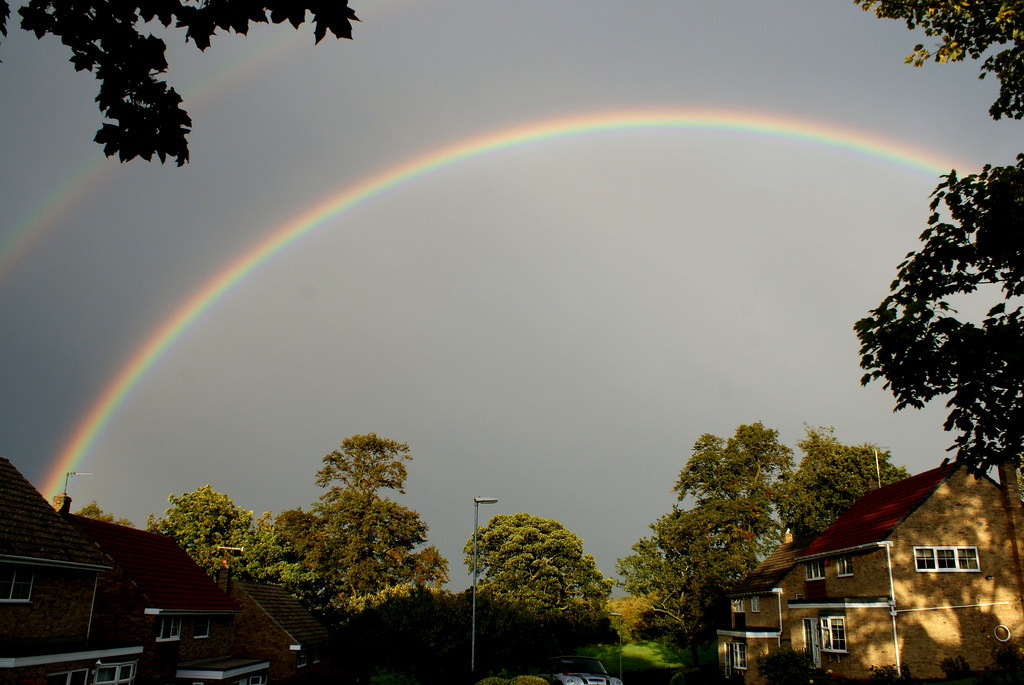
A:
[114,394]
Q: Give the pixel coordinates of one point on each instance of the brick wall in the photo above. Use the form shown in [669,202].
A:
[59,606]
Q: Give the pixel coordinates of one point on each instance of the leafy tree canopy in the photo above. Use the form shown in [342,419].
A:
[684,568]
[202,522]
[975,29]
[536,562]
[93,511]
[355,540]
[112,40]
[951,325]
[830,478]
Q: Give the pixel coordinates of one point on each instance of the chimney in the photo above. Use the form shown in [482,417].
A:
[62,503]
[224,576]
[787,536]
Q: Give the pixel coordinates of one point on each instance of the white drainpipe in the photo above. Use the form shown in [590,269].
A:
[892,606]
[778,600]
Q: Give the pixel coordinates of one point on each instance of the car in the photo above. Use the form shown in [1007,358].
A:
[577,670]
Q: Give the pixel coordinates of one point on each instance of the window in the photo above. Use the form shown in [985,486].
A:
[67,677]
[833,633]
[169,628]
[15,584]
[755,604]
[257,680]
[815,569]
[737,605]
[201,627]
[316,656]
[844,565]
[946,559]
[115,674]
[300,659]
[738,655]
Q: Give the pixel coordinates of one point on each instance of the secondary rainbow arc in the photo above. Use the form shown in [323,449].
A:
[113,395]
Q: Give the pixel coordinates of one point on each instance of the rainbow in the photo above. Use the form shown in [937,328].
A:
[105,406]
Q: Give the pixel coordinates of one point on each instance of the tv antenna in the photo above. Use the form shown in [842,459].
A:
[68,475]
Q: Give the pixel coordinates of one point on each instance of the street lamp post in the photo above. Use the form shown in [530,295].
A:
[477,501]
[619,614]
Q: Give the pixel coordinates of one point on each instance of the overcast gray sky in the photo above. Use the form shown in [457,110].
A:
[552,324]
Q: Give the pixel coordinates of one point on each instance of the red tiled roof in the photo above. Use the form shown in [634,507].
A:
[161,569]
[877,513]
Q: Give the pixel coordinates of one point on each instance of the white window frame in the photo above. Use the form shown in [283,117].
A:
[51,678]
[738,655]
[937,558]
[257,680]
[124,673]
[755,604]
[815,569]
[833,633]
[168,629]
[844,566]
[201,628]
[737,605]
[301,659]
[12,579]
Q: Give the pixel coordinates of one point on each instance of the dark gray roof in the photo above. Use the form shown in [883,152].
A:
[32,532]
[286,611]
[772,570]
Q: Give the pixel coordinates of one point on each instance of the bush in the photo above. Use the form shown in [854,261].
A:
[1009,666]
[493,680]
[955,667]
[890,674]
[785,666]
[386,677]
[528,680]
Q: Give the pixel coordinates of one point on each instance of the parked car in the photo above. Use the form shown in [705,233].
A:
[577,670]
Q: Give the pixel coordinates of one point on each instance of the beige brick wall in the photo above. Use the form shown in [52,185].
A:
[964,511]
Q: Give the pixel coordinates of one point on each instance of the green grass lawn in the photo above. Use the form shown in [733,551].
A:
[645,656]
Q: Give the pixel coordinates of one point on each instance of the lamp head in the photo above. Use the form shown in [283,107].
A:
[485,500]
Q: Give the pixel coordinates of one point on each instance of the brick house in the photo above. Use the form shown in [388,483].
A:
[156,595]
[275,627]
[47,576]
[923,569]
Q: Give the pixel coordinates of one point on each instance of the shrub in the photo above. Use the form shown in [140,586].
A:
[386,677]
[785,666]
[678,678]
[493,680]
[890,674]
[1009,666]
[955,667]
[528,680]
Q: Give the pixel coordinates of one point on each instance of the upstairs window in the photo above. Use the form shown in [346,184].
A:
[946,559]
[201,627]
[755,604]
[844,565]
[815,569]
[15,584]
[737,606]
[169,628]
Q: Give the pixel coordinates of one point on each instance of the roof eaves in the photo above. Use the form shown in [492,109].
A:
[845,550]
